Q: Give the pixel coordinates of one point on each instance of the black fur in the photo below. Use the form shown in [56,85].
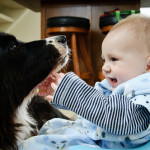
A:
[22,67]
[42,111]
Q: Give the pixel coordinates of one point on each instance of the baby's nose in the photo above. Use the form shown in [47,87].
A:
[106,68]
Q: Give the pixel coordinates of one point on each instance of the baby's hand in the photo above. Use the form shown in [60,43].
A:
[49,85]
[57,79]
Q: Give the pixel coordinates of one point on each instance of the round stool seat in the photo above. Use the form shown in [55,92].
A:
[107,20]
[68,21]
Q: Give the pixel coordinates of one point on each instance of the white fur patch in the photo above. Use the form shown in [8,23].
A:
[23,117]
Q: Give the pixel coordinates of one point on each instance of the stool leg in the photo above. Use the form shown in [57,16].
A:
[86,59]
[74,54]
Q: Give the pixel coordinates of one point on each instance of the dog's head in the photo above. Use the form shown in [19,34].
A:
[24,65]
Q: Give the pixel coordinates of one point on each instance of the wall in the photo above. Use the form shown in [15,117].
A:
[27,27]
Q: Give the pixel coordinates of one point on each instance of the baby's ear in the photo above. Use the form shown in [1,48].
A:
[148,64]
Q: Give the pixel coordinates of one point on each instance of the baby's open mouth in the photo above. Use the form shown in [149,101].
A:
[113,82]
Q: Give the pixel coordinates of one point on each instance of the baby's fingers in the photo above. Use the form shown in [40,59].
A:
[49,97]
[54,86]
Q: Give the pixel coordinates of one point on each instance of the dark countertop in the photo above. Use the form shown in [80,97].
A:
[35,5]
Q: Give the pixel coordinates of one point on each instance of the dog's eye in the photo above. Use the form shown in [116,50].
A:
[13,47]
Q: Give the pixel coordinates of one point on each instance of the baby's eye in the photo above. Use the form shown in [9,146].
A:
[114,59]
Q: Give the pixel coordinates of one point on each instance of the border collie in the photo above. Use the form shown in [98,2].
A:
[23,66]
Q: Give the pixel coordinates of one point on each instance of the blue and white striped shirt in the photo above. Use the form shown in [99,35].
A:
[116,113]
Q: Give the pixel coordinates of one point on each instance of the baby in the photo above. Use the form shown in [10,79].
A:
[116,112]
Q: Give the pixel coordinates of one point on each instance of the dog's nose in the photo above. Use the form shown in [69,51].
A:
[61,39]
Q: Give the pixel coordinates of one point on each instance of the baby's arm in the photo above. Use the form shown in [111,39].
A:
[116,114]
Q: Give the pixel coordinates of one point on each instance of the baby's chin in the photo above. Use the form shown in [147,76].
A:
[112,89]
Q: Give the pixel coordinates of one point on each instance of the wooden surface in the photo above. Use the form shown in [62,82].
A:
[75,54]
[88,2]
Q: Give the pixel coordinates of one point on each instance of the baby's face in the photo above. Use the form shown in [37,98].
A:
[124,57]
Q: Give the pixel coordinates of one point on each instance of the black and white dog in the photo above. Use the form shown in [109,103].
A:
[22,67]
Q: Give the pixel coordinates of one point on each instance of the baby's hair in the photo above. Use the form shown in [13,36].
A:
[139,25]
